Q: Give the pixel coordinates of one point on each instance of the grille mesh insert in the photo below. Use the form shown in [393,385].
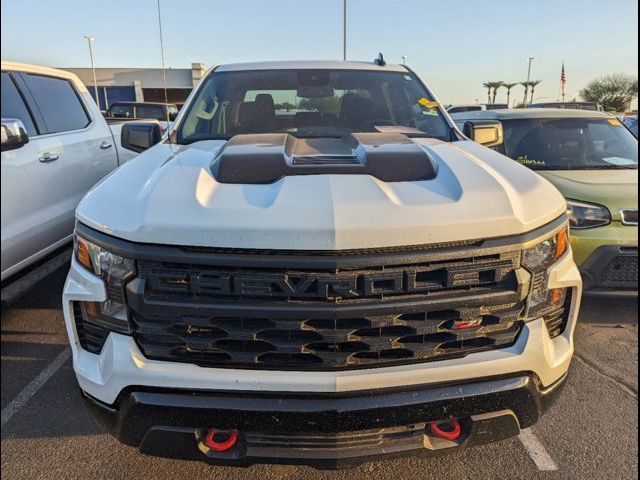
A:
[621,271]
[330,344]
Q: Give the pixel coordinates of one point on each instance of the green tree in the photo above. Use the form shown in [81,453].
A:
[323,105]
[533,84]
[492,90]
[496,86]
[526,92]
[613,92]
[285,106]
[509,86]
[488,86]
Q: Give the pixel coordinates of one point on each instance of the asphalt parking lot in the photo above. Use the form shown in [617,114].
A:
[591,432]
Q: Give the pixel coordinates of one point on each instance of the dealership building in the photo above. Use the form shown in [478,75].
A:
[140,84]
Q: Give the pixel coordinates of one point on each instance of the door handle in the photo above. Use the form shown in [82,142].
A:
[105,145]
[49,157]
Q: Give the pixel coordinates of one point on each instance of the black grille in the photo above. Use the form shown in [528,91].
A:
[91,336]
[327,318]
[558,319]
[621,272]
[327,343]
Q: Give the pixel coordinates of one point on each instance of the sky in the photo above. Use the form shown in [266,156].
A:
[455,46]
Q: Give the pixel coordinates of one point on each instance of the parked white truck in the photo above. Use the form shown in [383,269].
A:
[352,280]
[55,146]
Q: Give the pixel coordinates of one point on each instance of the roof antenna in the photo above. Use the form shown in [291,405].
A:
[380,60]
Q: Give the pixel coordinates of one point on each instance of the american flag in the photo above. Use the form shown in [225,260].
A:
[563,76]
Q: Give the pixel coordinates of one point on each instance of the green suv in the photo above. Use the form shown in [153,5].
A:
[592,158]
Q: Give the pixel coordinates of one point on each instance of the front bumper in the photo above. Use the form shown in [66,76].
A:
[320,430]
[607,258]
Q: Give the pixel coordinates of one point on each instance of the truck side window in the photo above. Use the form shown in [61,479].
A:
[145,111]
[58,103]
[121,111]
[13,106]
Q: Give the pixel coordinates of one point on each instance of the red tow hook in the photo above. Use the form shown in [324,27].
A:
[446,430]
[224,445]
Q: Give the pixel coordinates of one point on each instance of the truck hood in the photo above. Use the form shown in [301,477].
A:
[615,189]
[168,195]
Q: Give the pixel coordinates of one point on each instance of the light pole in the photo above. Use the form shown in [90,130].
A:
[93,68]
[404,59]
[344,30]
[526,88]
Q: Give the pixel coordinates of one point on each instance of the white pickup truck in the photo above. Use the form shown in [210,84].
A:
[345,280]
[55,146]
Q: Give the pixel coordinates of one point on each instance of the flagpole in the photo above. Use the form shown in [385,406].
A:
[563,80]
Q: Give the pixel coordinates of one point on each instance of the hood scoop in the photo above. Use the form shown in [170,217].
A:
[266,158]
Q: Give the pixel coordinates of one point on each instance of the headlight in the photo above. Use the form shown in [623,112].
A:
[587,215]
[546,253]
[115,271]
[537,260]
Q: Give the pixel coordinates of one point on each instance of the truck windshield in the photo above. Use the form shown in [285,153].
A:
[310,103]
[570,143]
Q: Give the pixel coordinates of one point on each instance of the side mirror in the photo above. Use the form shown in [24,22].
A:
[139,136]
[13,134]
[485,132]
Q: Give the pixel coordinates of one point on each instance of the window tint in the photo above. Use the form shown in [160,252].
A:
[144,111]
[58,103]
[570,143]
[121,111]
[464,109]
[13,106]
[310,103]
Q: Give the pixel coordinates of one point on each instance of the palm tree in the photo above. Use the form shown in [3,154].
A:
[492,90]
[509,86]
[488,86]
[533,86]
[526,92]
[496,86]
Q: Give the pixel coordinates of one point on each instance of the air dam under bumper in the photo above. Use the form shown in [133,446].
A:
[324,431]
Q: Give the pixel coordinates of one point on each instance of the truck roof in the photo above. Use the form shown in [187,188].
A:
[310,65]
[40,70]
[526,113]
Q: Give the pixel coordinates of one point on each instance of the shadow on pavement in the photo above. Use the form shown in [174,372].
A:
[610,310]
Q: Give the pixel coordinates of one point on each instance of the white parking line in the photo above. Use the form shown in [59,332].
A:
[536,450]
[35,385]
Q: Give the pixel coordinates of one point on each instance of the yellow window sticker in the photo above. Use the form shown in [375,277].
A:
[615,122]
[529,162]
[425,102]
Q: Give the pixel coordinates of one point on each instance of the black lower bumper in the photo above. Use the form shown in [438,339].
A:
[611,270]
[323,430]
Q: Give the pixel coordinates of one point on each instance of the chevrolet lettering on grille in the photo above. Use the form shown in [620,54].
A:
[328,286]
